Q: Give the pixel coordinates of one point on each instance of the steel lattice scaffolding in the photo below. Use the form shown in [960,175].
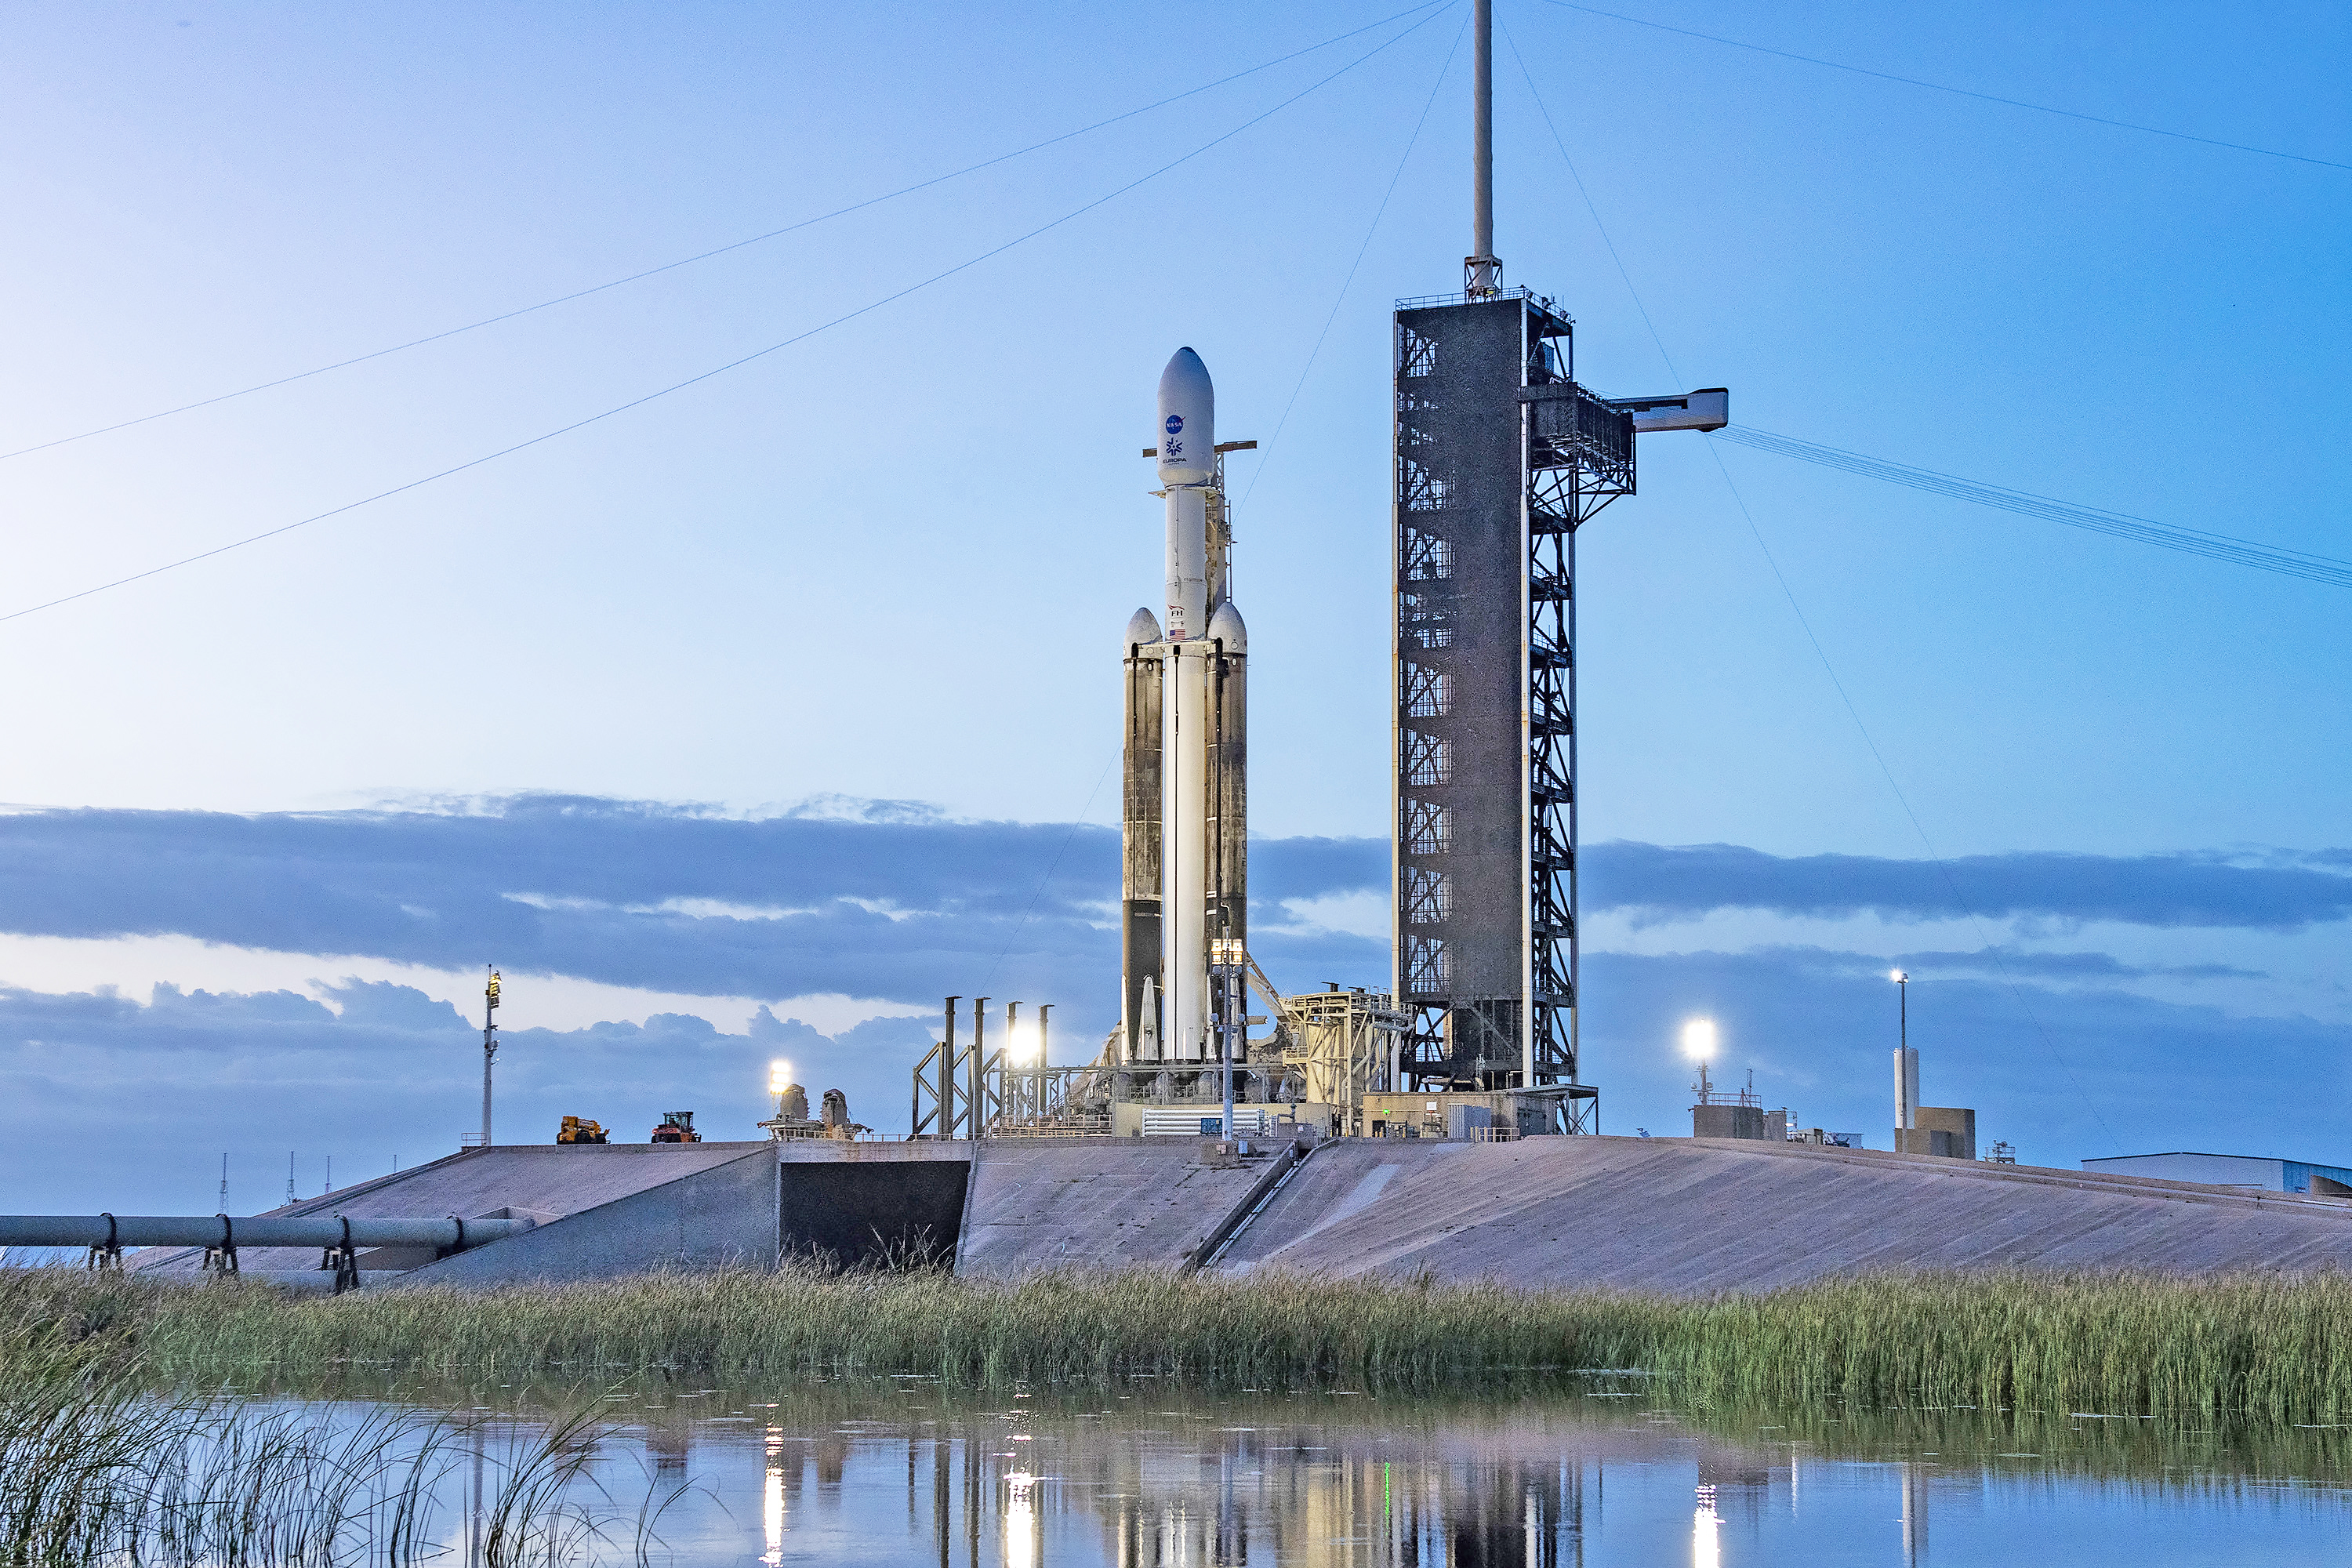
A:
[1500,457]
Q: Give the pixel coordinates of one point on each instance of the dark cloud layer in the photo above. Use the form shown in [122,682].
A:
[1656,882]
[112,1102]
[104,1099]
[894,904]
[897,903]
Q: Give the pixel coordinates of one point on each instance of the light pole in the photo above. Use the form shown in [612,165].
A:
[1906,1061]
[1699,1040]
[489,1046]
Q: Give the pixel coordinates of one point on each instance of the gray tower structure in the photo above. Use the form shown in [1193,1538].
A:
[1500,457]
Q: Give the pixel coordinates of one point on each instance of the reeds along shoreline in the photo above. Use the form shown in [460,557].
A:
[2265,1347]
[95,1466]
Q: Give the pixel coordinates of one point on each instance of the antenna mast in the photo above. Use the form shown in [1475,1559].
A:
[1482,274]
[490,1047]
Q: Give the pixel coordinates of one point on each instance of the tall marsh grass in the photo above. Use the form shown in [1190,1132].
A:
[98,1465]
[2265,1347]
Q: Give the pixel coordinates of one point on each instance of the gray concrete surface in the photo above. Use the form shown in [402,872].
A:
[1100,1202]
[1695,1215]
[544,1181]
[721,1215]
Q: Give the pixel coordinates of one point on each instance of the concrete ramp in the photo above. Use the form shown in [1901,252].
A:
[1093,1203]
[1696,1216]
[720,1215]
[544,1181]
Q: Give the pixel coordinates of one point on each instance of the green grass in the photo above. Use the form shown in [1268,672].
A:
[96,1465]
[2260,1347]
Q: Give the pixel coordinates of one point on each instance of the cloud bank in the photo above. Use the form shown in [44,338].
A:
[1653,882]
[130,1098]
[891,902]
[108,1097]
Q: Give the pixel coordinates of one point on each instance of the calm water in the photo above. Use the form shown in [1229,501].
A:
[901,1472]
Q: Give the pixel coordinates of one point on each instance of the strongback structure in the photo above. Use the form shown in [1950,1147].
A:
[1500,457]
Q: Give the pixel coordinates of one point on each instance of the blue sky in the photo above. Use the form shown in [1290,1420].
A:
[852,603]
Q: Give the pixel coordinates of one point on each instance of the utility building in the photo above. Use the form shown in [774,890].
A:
[2253,1172]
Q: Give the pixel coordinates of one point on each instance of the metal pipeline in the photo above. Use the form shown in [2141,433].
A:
[450,1234]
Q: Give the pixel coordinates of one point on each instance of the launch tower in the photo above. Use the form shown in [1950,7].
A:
[1500,457]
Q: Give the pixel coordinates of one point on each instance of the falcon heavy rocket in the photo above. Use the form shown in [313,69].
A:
[1184,873]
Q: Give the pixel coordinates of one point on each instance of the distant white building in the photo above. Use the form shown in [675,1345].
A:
[2233,1171]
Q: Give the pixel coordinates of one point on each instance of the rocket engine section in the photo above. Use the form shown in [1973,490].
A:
[1185,828]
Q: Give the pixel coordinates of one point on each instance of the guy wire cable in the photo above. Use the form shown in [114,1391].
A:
[1266,454]
[866,309]
[721,250]
[1951,883]
[2334,573]
[1956,91]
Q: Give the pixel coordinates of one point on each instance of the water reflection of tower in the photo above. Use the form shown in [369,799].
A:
[475,1542]
[952,1459]
[772,1515]
[1512,1515]
[1914,1515]
[1731,1492]
[1024,1546]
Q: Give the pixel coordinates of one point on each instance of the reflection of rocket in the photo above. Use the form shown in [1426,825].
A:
[1184,875]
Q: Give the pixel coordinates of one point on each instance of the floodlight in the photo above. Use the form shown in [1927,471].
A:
[780,1076]
[1698,1038]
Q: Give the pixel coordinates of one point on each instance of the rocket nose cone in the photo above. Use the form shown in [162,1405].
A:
[1141,627]
[1225,626]
[1186,428]
[1184,369]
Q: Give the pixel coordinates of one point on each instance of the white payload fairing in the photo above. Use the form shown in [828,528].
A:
[1185,892]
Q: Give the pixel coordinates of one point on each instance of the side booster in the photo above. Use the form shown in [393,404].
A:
[1185,892]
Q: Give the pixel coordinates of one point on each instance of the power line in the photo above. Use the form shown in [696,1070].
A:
[1957,91]
[1598,226]
[747,359]
[1347,282]
[2312,568]
[724,249]
[1951,883]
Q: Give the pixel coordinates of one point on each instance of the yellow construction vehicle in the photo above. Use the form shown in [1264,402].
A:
[580,1130]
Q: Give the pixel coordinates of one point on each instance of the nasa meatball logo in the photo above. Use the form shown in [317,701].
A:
[1175,423]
